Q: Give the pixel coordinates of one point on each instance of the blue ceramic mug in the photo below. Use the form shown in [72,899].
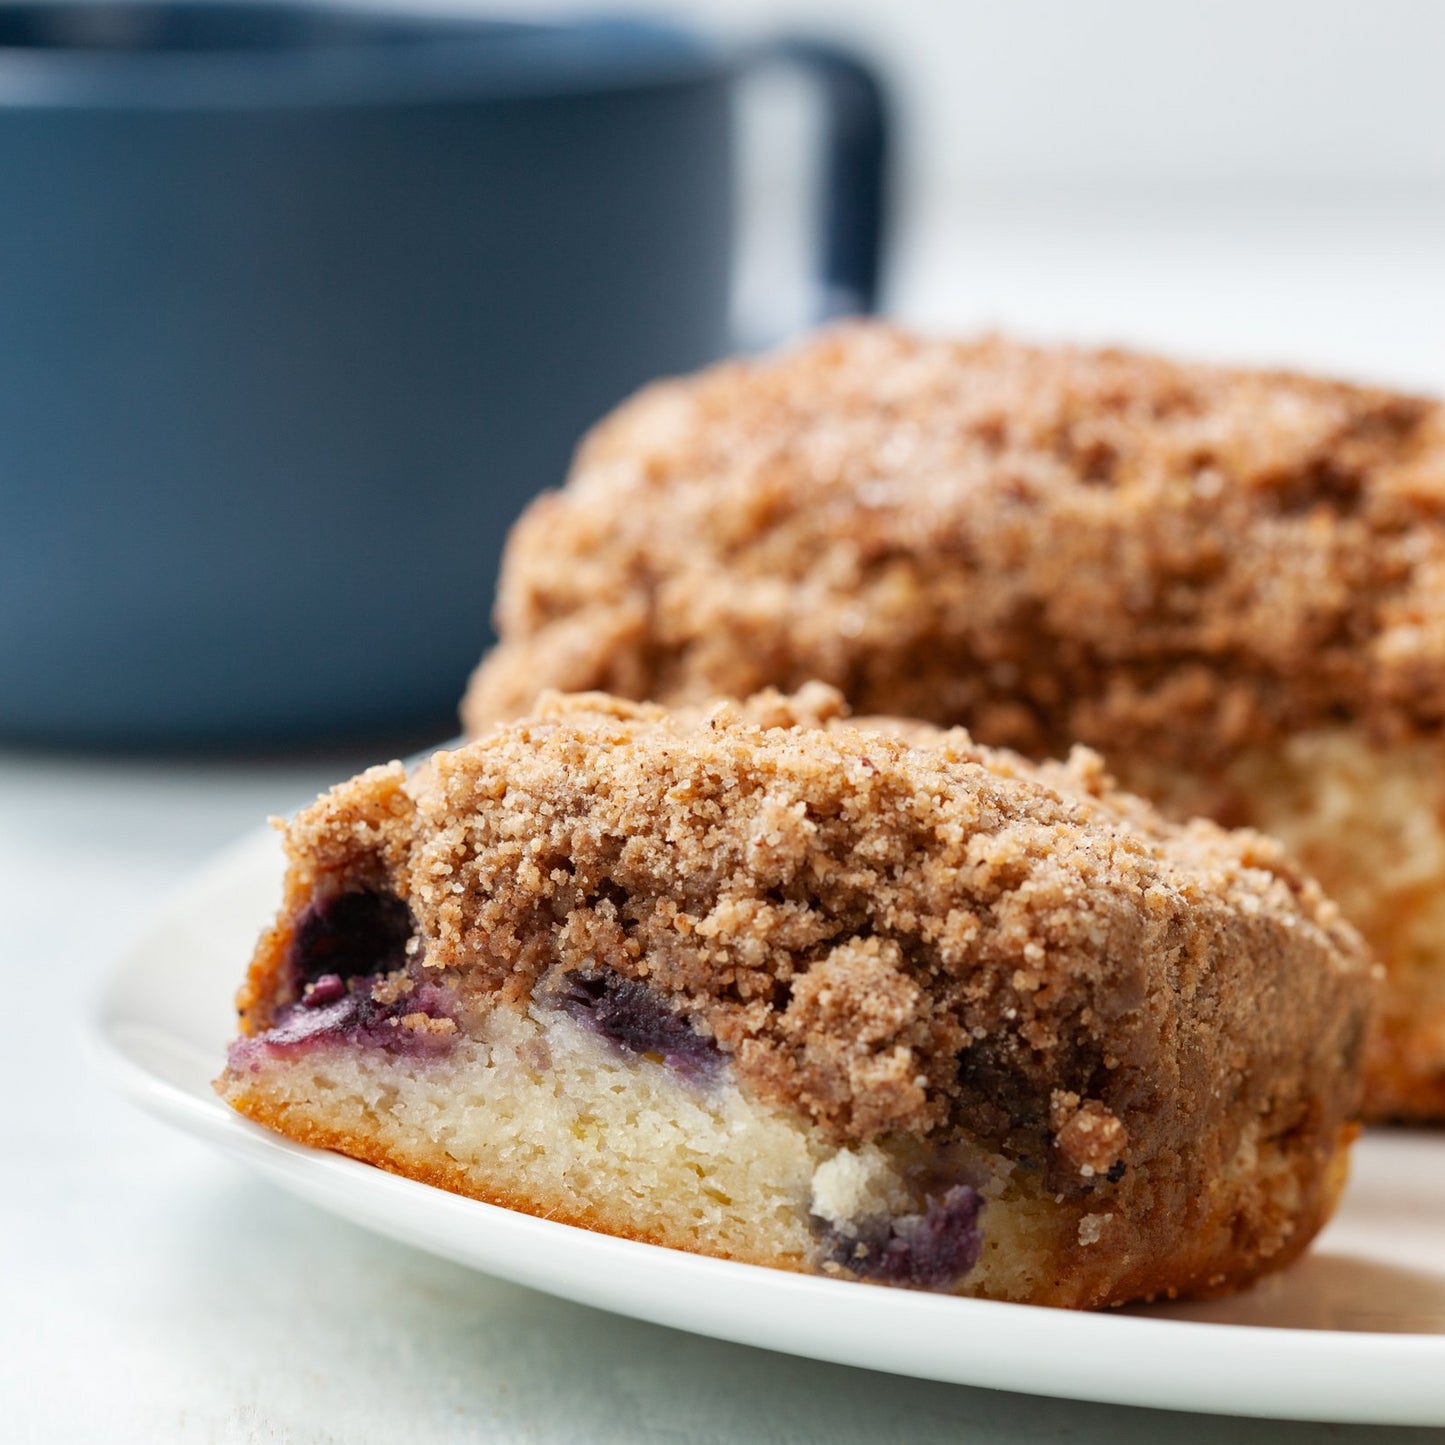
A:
[299,305]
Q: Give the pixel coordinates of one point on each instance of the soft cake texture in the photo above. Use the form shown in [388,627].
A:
[1230,582]
[863,999]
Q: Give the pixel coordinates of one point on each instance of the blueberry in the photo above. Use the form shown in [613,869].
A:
[931,1249]
[351,935]
[327,989]
[631,1016]
[334,1012]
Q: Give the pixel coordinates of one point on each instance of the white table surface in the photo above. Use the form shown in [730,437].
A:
[153,1293]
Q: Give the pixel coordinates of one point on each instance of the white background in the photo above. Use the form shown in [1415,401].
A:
[1252,179]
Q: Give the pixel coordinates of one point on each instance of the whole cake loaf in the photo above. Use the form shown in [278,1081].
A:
[1231,583]
[862,999]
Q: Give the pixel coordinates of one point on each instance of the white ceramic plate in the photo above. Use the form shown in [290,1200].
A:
[1355,1332]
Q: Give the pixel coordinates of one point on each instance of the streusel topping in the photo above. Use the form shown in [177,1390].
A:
[1049,545]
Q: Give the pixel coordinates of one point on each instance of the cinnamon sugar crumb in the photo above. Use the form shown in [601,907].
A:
[426,1024]
[1086,1133]
[1045,544]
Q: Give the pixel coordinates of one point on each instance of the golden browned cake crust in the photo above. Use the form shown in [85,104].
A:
[1046,545]
[892,934]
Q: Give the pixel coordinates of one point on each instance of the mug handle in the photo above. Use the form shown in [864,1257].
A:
[856,129]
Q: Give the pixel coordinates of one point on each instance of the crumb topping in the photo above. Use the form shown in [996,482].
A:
[884,926]
[1047,545]
[1086,1133]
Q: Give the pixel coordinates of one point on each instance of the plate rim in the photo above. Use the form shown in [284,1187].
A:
[1355,1376]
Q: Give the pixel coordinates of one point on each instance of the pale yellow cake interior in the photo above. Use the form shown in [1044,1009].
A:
[542,1115]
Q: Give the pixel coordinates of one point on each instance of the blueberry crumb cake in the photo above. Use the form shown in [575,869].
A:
[1229,582]
[862,999]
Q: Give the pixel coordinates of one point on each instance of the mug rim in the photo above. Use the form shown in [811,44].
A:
[441,57]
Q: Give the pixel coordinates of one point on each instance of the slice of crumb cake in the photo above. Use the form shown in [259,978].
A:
[863,999]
